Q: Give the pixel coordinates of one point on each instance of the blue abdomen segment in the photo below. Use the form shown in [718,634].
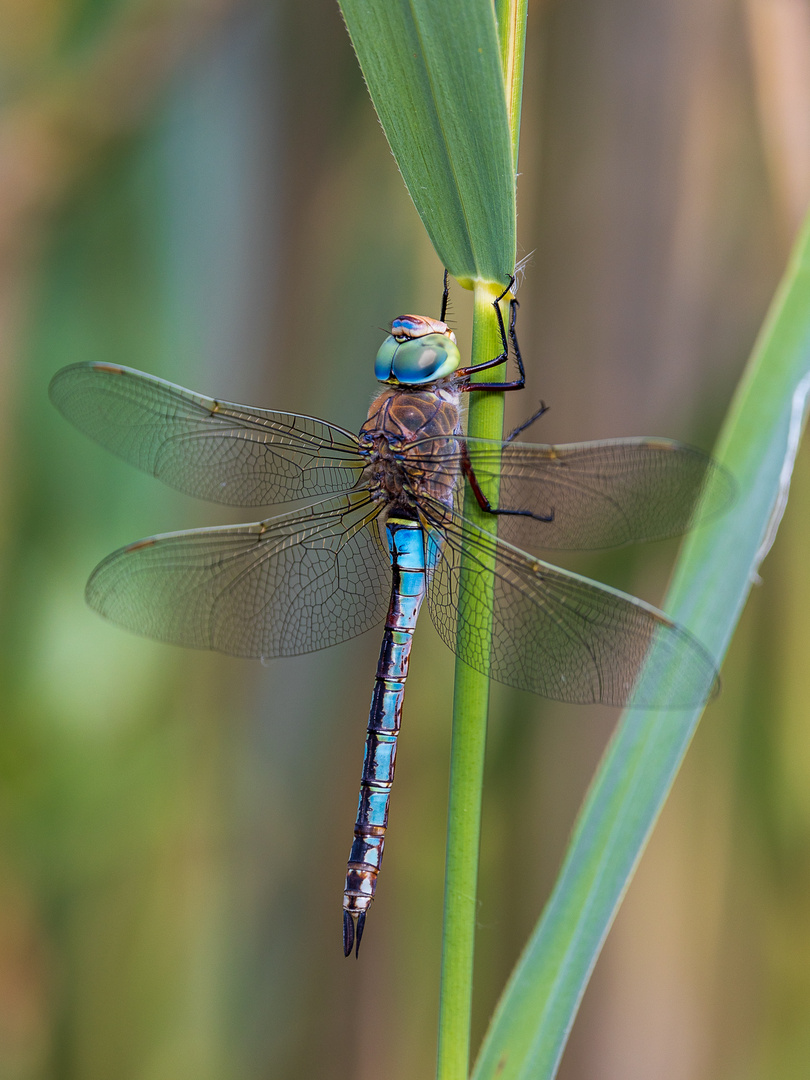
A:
[406,546]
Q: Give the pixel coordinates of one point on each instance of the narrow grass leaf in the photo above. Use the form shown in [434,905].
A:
[511,18]
[433,70]
[714,575]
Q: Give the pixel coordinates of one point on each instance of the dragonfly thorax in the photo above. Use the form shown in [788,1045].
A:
[419,350]
[409,440]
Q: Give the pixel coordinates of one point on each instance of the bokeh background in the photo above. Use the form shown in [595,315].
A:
[199,188]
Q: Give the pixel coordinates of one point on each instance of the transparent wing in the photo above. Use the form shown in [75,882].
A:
[556,633]
[281,587]
[598,494]
[225,453]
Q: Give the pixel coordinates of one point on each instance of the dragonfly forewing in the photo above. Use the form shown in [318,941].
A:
[232,454]
[288,585]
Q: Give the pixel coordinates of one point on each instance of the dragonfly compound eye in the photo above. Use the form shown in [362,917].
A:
[418,360]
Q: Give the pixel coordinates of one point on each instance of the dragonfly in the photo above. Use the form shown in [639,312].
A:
[385,524]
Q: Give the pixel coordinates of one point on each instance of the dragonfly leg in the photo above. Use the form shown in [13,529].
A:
[503,356]
[483,501]
[445,298]
[526,423]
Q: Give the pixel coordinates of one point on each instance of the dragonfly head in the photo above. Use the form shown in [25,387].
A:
[418,350]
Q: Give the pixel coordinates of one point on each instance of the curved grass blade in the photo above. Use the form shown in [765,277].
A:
[435,76]
[719,562]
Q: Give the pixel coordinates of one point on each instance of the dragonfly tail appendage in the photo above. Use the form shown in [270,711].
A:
[407,549]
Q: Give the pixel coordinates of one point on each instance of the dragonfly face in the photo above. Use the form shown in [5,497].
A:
[318,575]
[418,351]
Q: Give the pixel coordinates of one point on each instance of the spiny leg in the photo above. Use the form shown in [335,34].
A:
[526,423]
[503,356]
[445,298]
[483,501]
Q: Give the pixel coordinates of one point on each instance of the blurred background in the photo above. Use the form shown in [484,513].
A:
[200,188]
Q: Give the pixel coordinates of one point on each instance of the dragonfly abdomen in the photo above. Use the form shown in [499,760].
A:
[407,551]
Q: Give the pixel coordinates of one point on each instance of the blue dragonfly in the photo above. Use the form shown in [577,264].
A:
[384,528]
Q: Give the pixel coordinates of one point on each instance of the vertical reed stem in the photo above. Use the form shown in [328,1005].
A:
[469,739]
[471,701]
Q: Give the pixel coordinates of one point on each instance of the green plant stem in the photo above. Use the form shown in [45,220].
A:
[470,707]
[471,698]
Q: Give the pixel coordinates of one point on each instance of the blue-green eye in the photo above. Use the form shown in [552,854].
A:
[418,360]
[385,358]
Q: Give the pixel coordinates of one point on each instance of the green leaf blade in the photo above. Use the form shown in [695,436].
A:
[715,571]
[434,75]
